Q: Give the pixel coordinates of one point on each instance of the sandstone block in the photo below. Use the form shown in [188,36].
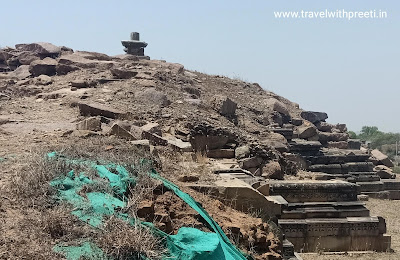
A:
[277,106]
[224,105]
[91,124]
[314,117]
[93,109]
[272,170]
[382,158]
[43,67]
[306,131]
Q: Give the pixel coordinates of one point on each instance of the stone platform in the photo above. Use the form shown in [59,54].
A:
[337,234]
[314,191]
[304,210]
[326,215]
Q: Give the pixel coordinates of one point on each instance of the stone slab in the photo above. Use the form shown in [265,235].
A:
[94,109]
[372,186]
[326,227]
[314,191]
[380,243]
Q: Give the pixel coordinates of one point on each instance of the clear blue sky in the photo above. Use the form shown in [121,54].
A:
[349,69]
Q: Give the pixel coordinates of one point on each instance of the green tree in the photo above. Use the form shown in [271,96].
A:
[352,135]
[378,138]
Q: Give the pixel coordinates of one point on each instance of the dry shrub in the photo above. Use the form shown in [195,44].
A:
[143,190]
[30,181]
[31,234]
[175,164]
[124,241]
[40,223]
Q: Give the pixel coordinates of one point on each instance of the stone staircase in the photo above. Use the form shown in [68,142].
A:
[350,165]
[325,215]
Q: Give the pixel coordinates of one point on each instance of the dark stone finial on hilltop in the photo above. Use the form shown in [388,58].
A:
[134,46]
[135,36]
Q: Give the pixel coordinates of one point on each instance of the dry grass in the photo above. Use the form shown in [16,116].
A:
[32,233]
[124,241]
[175,164]
[385,208]
[34,223]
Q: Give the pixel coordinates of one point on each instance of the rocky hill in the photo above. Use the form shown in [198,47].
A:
[193,125]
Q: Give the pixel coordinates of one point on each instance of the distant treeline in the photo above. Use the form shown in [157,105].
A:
[386,142]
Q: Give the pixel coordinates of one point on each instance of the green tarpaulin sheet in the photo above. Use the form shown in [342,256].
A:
[188,243]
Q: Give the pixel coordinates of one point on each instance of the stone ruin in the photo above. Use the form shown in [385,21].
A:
[134,46]
[322,213]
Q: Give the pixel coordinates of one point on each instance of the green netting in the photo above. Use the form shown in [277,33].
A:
[84,251]
[188,243]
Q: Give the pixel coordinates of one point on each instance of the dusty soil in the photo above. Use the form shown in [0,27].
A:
[385,208]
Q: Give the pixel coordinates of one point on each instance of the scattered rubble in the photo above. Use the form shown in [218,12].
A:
[253,141]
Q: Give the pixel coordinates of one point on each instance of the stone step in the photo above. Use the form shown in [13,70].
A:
[363,178]
[372,186]
[243,176]
[314,191]
[391,184]
[354,177]
[321,227]
[287,249]
[304,147]
[336,234]
[326,204]
[325,210]
[286,132]
[336,159]
[342,168]
[387,194]
[327,168]
[359,166]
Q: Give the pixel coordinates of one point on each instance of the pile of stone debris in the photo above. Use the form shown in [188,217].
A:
[254,139]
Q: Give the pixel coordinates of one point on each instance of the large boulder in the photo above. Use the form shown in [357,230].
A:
[91,55]
[122,73]
[314,117]
[252,162]
[275,141]
[152,96]
[43,49]
[277,106]
[341,127]
[242,152]
[4,55]
[224,105]
[63,69]
[324,126]
[46,66]
[42,80]
[26,58]
[384,172]
[381,158]
[22,72]
[80,60]
[205,137]
[272,170]
[306,131]
[93,109]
